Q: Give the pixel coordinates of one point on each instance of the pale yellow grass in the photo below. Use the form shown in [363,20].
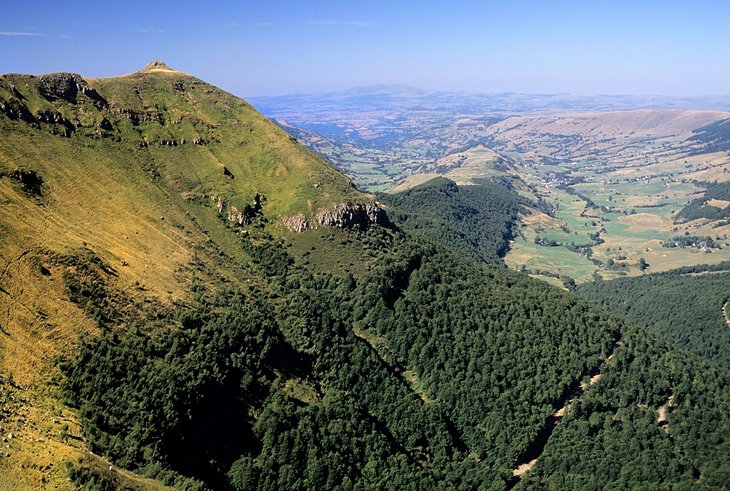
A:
[644,221]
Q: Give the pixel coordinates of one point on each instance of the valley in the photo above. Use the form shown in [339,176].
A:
[610,184]
[364,246]
[192,299]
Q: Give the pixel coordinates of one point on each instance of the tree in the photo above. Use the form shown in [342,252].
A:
[569,283]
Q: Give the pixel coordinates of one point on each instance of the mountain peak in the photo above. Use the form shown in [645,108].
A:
[156,66]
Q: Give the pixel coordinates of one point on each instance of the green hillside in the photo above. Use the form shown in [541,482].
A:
[686,307]
[185,133]
[475,220]
[194,300]
[163,179]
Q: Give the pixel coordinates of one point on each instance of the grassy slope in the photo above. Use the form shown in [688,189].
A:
[144,210]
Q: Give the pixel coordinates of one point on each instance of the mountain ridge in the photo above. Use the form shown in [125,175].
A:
[142,185]
[157,311]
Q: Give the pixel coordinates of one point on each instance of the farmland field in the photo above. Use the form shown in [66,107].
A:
[610,179]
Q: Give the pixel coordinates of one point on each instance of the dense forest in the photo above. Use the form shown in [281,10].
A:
[656,420]
[477,221]
[431,371]
[684,307]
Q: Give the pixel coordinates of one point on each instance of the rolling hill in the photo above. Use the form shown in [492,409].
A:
[192,299]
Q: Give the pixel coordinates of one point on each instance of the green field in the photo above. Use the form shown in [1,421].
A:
[633,214]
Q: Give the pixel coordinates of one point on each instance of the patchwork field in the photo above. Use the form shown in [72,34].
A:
[609,176]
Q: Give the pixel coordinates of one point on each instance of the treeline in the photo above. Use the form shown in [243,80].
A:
[683,308]
[698,207]
[477,221]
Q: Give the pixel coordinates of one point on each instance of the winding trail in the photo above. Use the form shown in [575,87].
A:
[532,454]
[724,314]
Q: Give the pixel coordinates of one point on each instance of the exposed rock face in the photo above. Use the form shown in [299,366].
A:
[342,215]
[352,215]
[66,87]
[61,86]
[92,94]
[297,223]
[15,109]
[66,127]
[236,215]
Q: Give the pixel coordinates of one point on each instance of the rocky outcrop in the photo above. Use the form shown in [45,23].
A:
[61,86]
[15,109]
[341,215]
[56,118]
[139,117]
[66,87]
[351,215]
[297,223]
[52,117]
[240,217]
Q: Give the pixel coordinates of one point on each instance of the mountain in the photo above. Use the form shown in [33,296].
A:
[477,221]
[153,175]
[192,299]
[380,97]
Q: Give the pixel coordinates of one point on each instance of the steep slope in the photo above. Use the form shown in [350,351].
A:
[127,183]
[476,220]
[713,137]
[684,306]
[159,311]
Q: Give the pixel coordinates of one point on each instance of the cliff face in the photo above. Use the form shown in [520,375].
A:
[342,215]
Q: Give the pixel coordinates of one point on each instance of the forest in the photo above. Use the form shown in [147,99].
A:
[715,137]
[432,370]
[476,221]
[684,307]
[698,207]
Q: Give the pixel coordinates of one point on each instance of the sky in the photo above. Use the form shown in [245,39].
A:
[270,47]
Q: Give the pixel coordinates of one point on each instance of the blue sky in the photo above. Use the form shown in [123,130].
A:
[270,47]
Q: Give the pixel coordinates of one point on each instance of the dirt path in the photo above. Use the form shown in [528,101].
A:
[662,418]
[724,314]
[532,455]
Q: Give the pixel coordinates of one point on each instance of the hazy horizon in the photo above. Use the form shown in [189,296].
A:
[289,47]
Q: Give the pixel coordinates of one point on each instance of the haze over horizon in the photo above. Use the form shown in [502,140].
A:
[255,49]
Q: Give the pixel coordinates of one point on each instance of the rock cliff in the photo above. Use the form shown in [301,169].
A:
[341,215]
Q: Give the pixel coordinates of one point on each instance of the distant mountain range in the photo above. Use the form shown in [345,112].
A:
[390,96]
